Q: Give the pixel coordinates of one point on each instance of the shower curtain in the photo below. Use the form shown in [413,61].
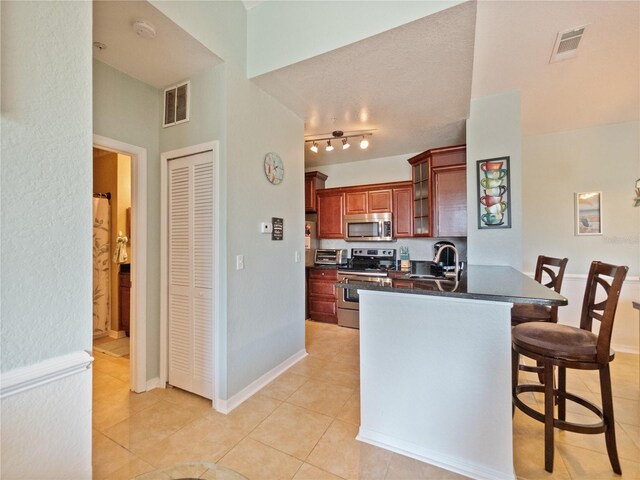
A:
[101,267]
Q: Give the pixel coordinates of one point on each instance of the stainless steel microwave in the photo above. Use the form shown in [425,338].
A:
[370,227]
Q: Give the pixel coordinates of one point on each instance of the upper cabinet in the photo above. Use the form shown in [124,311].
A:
[334,203]
[367,201]
[313,181]
[330,208]
[439,182]
[403,211]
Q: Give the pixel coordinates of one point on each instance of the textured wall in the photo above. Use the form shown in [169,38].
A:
[46,232]
[128,110]
[263,323]
[46,181]
[493,130]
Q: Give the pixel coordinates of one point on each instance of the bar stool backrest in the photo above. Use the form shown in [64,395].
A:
[554,269]
[605,310]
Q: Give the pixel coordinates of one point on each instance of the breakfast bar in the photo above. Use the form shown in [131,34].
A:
[435,367]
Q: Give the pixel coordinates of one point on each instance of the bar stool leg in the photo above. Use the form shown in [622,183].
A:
[515,368]
[562,388]
[607,410]
[548,416]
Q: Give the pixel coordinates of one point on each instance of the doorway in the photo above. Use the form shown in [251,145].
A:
[127,265]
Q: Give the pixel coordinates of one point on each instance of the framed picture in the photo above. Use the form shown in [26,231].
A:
[494,193]
[588,215]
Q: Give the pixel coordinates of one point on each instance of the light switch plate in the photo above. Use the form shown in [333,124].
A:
[240,262]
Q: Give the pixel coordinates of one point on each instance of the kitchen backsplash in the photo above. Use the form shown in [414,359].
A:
[419,248]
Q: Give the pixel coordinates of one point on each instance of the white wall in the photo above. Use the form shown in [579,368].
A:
[46,263]
[265,302]
[129,111]
[493,130]
[283,33]
[377,170]
[604,158]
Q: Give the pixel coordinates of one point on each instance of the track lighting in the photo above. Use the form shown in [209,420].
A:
[339,135]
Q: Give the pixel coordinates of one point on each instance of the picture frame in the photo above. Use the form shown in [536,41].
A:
[588,213]
[494,193]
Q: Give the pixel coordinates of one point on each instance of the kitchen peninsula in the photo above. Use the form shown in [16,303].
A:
[435,361]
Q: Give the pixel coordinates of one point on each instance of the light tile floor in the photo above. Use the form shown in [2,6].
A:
[303,425]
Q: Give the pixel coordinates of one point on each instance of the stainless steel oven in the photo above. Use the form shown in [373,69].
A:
[348,298]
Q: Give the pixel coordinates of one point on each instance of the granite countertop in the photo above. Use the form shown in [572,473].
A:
[477,282]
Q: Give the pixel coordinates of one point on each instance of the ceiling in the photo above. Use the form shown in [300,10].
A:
[412,85]
[173,55]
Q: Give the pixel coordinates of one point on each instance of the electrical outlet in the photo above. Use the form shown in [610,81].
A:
[266,227]
[240,262]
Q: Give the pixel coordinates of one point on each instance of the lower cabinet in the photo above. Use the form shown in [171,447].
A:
[124,300]
[322,294]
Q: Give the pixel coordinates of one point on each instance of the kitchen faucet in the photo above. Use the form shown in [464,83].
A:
[457,264]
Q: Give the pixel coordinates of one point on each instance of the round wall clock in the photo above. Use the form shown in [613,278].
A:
[273,168]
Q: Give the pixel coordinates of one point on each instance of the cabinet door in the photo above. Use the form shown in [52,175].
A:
[330,215]
[309,195]
[355,203]
[450,201]
[379,201]
[402,212]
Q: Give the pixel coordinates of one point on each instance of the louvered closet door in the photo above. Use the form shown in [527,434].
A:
[191,273]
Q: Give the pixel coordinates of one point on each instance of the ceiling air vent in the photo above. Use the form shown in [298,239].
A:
[176,104]
[567,44]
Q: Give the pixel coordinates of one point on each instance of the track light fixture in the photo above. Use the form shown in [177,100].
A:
[339,134]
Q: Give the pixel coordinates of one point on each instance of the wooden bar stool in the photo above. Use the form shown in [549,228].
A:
[554,269]
[563,346]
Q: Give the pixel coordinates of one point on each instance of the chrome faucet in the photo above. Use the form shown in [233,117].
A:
[436,260]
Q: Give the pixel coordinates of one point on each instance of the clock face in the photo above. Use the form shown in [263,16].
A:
[273,168]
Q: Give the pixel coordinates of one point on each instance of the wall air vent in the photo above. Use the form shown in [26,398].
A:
[176,104]
[566,45]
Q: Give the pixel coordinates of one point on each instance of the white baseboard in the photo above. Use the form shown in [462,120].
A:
[117,334]
[53,369]
[226,406]
[154,383]
[434,458]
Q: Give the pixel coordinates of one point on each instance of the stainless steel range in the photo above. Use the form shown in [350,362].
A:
[369,265]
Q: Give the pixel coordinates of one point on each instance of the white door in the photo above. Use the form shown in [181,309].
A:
[190,312]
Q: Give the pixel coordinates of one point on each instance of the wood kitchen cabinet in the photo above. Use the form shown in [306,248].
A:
[379,201]
[367,201]
[438,209]
[124,297]
[450,201]
[355,203]
[403,212]
[322,298]
[313,181]
[330,208]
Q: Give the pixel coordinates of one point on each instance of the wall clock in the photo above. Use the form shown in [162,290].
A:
[273,168]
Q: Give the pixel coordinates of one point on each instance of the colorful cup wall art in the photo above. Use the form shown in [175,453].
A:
[494,193]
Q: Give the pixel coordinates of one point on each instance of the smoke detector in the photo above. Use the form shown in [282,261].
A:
[144,29]
[566,45]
